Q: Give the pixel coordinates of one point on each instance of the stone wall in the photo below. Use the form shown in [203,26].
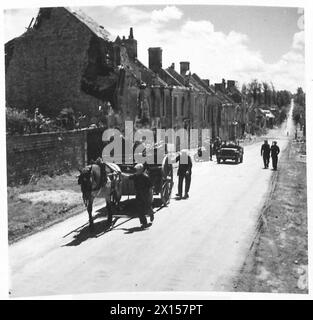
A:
[45,153]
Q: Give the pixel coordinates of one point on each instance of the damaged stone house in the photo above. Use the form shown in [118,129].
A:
[229,112]
[66,60]
[194,104]
[63,60]
[260,117]
[241,108]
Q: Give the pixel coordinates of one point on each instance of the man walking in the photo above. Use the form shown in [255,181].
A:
[184,172]
[265,153]
[211,150]
[274,154]
[143,187]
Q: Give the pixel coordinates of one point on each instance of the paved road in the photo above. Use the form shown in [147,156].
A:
[197,244]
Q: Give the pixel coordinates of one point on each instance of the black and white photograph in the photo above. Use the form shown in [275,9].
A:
[155,147]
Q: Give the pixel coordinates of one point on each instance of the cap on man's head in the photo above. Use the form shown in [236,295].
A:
[139,167]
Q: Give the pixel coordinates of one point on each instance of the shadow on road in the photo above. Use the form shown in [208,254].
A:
[134,229]
[127,210]
[86,232]
[230,163]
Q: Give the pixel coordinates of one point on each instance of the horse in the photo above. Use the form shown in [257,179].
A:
[100,179]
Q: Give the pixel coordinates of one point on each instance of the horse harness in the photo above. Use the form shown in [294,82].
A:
[102,181]
[104,176]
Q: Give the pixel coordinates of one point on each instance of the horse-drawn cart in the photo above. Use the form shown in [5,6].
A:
[108,178]
[161,177]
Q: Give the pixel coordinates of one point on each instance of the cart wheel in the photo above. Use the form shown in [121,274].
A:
[167,181]
[166,192]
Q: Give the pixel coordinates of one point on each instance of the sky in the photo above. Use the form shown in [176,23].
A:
[241,43]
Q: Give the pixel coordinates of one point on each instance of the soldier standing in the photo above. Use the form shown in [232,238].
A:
[184,172]
[265,152]
[216,144]
[274,154]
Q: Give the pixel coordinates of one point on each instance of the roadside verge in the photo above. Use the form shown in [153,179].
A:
[278,258]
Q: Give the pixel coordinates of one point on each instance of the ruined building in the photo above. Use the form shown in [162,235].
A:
[65,59]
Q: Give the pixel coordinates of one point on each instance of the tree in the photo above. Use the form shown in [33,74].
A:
[283,98]
[266,92]
[260,93]
[299,109]
[300,97]
[282,114]
[274,94]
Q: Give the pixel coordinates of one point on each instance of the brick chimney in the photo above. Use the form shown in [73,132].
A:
[172,66]
[131,45]
[155,59]
[184,67]
[219,87]
[231,84]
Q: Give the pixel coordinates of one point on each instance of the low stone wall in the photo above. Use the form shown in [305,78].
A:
[45,153]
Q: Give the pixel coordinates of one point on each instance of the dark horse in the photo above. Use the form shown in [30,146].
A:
[100,179]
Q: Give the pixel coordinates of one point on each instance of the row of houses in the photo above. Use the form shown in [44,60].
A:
[67,60]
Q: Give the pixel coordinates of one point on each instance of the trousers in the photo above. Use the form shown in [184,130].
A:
[144,205]
[266,160]
[274,162]
[181,178]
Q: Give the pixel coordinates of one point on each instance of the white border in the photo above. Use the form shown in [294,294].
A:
[308,5]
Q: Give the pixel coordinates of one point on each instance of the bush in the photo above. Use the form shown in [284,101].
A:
[21,122]
[299,114]
[17,122]
[282,115]
[67,118]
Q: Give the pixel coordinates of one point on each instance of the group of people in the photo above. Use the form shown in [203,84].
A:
[268,152]
[143,185]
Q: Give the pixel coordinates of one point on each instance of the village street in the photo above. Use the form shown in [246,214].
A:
[197,244]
